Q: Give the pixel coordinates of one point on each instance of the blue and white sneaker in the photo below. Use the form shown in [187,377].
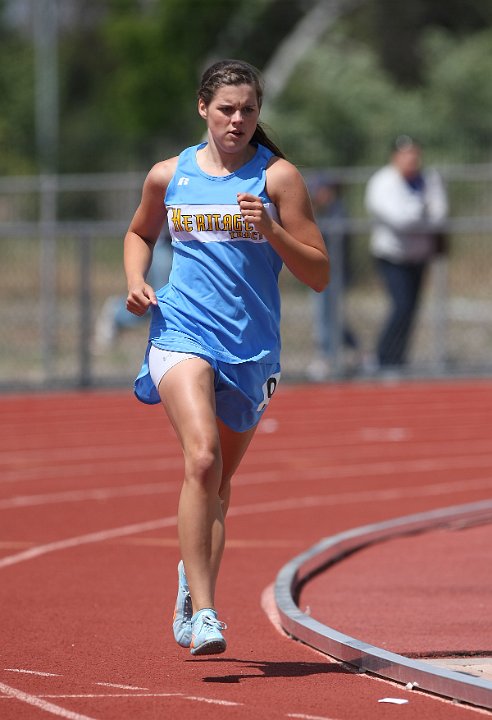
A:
[206,638]
[183,610]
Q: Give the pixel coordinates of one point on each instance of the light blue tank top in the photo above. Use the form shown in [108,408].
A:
[222,299]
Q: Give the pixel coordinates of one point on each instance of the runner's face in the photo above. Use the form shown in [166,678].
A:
[231,116]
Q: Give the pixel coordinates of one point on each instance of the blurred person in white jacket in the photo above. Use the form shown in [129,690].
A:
[409,208]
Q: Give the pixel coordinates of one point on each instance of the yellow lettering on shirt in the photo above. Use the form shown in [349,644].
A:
[188,223]
[176,219]
[227,222]
[235,225]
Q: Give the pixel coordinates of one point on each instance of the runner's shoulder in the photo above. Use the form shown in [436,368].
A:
[160,174]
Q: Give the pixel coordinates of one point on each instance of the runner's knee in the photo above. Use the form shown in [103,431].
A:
[203,464]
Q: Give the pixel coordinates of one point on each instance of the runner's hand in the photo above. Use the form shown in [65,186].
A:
[254,212]
[140,298]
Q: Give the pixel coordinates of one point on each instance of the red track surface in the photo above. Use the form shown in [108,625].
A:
[420,596]
[88,547]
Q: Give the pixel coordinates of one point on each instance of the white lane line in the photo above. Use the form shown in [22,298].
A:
[122,687]
[210,700]
[95,696]
[41,704]
[94,537]
[351,437]
[136,490]
[362,496]
[390,467]
[77,453]
[104,696]
[232,543]
[308,717]
[114,467]
[103,493]
[297,503]
[32,672]
[381,434]
[478,455]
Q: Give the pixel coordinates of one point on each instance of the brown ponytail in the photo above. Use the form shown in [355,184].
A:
[261,138]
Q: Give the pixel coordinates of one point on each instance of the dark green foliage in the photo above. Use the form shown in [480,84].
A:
[129,69]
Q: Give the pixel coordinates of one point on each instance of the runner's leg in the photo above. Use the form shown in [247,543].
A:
[212,453]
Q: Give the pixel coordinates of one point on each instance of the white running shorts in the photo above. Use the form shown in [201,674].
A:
[161,361]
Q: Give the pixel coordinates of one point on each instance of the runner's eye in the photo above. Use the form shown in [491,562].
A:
[230,110]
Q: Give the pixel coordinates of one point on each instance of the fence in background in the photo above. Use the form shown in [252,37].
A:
[61,252]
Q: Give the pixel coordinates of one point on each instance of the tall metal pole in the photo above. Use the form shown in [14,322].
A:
[45,29]
[308,31]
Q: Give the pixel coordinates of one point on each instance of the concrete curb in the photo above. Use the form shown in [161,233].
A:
[355,652]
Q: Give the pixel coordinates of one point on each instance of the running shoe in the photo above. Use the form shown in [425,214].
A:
[183,610]
[206,638]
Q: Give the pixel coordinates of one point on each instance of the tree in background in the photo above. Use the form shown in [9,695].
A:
[129,67]
[17,145]
[394,31]
[130,76]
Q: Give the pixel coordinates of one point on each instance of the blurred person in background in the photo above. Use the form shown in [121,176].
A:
[409,208]
[237,210]
[114,318]
[332,333]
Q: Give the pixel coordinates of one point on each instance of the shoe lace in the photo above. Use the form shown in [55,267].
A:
[213,622]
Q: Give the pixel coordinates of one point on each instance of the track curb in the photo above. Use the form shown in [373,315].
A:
[358,653]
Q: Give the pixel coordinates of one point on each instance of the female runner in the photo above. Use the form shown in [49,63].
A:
[236,210]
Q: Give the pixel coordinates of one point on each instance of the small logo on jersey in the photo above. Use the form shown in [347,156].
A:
[183,181]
